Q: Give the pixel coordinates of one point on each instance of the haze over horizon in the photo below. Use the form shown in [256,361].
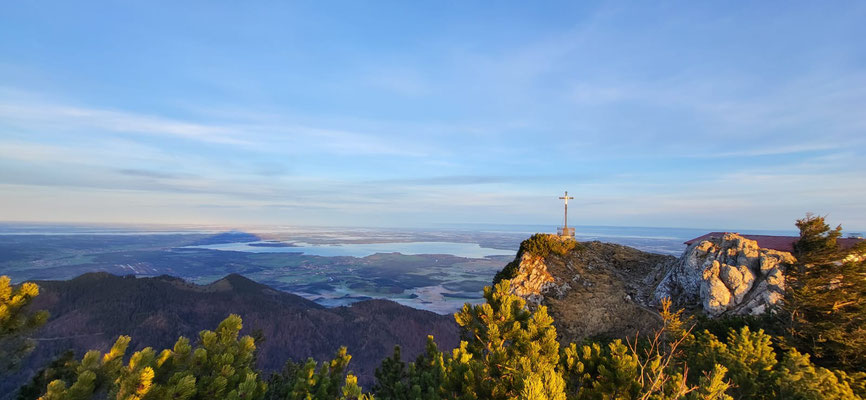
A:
[408,114]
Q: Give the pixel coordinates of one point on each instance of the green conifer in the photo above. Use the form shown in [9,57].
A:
[219,368]
[16,322]
[798,378]
[316,381]
[62,368]
[817,241]
[825,302]
[508,350]
[427,373]
[392,379]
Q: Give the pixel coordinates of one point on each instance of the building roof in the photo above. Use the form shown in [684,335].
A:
[780,243]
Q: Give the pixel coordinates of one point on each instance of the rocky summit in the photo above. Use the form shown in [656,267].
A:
[604,289]
[595,289]
[727,274]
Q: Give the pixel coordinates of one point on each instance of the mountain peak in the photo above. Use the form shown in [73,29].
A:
[590,288]
[237,283]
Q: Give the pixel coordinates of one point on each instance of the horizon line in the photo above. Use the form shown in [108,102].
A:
[430,227]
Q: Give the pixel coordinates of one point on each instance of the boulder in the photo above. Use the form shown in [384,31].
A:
[726,275]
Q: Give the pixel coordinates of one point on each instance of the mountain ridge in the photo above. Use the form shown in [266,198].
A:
[91,310]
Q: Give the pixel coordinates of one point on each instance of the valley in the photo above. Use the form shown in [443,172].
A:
[434,270]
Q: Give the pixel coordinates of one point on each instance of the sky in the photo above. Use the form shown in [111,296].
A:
[727,115]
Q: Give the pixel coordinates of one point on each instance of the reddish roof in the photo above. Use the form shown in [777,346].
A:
[780,243]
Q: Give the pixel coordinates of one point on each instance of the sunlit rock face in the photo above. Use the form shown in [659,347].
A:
[532,279]
[726,275]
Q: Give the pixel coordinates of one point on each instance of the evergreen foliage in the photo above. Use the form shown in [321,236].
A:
[825,303]
[63,367]
[817,241]
[508,272]
[508,351]
[757,371]
[507,354]
[220,367]
[427,374]
[392,378]
[652,368]
[543,245]
[314,381]
[16,321]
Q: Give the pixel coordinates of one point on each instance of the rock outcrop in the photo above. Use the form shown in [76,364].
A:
[532,279]
[597,289]
[604,289]
[726,275]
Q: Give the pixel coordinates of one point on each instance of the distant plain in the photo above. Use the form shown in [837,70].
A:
[435,269]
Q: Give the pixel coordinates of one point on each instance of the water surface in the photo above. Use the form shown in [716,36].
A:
[468,250]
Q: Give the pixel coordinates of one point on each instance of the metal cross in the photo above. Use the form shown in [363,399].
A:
[566,198]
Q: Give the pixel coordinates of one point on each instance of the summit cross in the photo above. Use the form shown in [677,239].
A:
[566,231]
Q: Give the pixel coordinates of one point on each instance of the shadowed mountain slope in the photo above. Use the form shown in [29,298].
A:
[90,311]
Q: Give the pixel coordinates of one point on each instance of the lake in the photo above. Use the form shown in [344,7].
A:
[468,250]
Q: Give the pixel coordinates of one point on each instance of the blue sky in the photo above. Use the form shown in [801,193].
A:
[732,115]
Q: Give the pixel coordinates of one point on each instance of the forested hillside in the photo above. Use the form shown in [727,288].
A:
[91,311]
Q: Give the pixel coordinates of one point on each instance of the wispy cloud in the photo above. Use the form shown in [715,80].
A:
[268,133]
[469,180]
[772,150]
[150,174]
[66,118]
[783,114]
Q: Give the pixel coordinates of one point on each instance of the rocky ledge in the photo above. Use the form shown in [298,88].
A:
[604,289]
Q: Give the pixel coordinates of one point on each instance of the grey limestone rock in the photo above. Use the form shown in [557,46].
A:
[728,274]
